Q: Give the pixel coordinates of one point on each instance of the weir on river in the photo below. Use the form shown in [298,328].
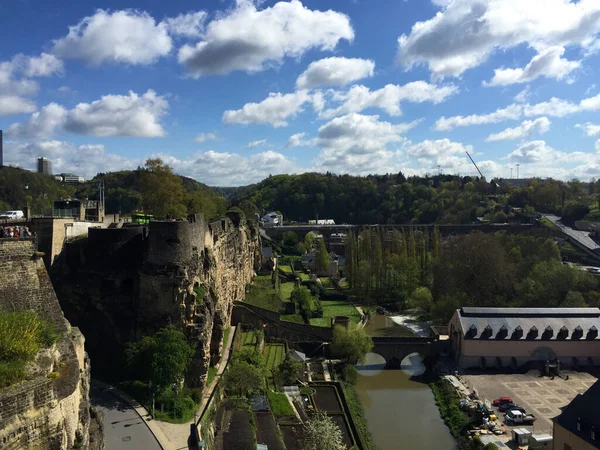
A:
[401,412]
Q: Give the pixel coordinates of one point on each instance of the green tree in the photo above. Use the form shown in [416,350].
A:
[351,264]
[250,356]
[162,191]
[322,433]
[290,239]
[161,358]
[321,258]
[244,379]
[351,344]
[287,371]
[305,301]
[421,298]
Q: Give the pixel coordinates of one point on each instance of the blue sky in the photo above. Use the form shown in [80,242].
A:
[229,92]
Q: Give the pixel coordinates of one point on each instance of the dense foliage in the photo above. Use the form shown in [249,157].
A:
[40,193]
[246,373]
[412,268]
[154,189]
[396,199]
[22,335]
[350,344]
[322,433]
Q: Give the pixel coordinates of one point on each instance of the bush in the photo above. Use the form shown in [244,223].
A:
[176,408]
[23,334]
[11,372]
[350,374]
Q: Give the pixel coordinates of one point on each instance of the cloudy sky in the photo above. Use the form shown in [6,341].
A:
[228,92]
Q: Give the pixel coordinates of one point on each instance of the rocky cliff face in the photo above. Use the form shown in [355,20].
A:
[45,411]
[126,283]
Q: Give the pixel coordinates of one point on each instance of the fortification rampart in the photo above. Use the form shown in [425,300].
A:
[42,412]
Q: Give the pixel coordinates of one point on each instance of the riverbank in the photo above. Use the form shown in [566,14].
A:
[358,416]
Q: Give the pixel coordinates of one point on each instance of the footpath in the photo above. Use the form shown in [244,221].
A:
[174,436]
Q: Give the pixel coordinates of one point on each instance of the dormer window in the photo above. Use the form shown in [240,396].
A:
[548,333]
[563,333]
[487,332]
[502,333]
[518,333]
[533,333]
[577,333]
[472,331]
[592,333]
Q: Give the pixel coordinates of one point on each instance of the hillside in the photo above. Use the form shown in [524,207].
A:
[122,192]
[41,190]
[397,199]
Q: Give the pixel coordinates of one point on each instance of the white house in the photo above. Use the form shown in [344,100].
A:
[272,219]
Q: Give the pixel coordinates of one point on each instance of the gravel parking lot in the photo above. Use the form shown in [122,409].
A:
[538,395]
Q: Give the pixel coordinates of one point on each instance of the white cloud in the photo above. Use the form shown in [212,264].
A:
[488,26]
[295,140]
[540,125]
[441,147]
[205,137]
[223,168]
[43,66]
[358,144]
[511,112]
[523,96]
[84,160]
[13,104]
[589,128]
[259,143]
[64,89]
[276,109]
[188,25]
[113,115]
[598,145]
[335,71]
[388,98]
[547,63]
[42,123]
[252,40]
[536,152]
[127,36]
[555,107]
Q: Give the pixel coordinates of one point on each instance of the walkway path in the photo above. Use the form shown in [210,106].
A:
[177,434]
[127,424]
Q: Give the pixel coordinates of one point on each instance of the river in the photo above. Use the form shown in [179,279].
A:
[401,412]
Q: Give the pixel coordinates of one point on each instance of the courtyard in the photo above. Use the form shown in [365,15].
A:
[541,396]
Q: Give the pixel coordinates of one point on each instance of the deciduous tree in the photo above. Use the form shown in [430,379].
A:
[322,433]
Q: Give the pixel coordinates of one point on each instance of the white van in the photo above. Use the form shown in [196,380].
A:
[12,215]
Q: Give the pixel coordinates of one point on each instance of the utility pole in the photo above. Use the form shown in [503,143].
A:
[518,170]
[511,173]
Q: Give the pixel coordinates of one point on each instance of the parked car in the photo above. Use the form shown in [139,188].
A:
[509,407]
[502,401]
[514,417]
[11,215]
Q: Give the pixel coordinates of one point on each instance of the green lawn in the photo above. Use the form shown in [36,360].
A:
[273,354]
[280,405]
[303,276]
[286,269]
[333,308]
[226,335]
[285,291]
[263,294]
[249,338]
[549,223]
[297,318]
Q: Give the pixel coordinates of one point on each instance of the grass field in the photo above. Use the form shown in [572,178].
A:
[249,339]
[297,318]
[286,269]
[333,308]
[280,405]
[263,294]
[273,354]
[549,223]
[303,276]
[285,291]
[212,373]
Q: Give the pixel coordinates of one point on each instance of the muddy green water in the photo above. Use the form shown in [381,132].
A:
[401,413]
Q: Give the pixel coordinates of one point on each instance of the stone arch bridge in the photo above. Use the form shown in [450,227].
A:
[395,349]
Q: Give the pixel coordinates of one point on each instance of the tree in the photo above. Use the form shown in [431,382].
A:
[421,298]
[250,356]
[306,303]
[161,358]
[322,433]
[351,344]
[290,239]
[162,191]
[287,371]
[243,378]
[322,258]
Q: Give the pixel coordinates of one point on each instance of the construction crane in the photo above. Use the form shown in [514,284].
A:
[474,164]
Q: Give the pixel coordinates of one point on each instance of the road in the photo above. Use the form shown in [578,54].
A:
[582,237]
[123,427]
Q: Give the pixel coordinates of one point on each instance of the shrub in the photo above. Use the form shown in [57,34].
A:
[11,372]
[23,334]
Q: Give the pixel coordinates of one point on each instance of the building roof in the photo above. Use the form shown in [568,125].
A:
[297,356]
[584,408]
[267,252]
[530,323]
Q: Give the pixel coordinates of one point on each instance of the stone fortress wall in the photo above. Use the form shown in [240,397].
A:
[41,412]
[128,282]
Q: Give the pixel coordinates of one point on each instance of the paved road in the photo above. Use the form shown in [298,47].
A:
[123,427]
[583,237]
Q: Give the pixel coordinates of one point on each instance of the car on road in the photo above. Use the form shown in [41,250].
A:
[509,407]
[502,401]
[514,417]
[12,215]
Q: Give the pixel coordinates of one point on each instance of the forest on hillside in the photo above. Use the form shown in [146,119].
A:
[388,199]
[416,269]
